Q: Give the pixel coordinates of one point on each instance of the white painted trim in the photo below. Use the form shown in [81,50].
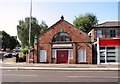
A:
[85,56]
[102,50]
[95,42]
[62,45]
[111,63]
[105,54]
[117,53]
[62,49]
[98,52]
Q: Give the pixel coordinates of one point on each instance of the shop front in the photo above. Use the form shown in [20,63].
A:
[108,51]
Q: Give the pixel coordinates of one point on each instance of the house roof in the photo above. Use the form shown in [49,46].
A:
[108,24]
[62,19]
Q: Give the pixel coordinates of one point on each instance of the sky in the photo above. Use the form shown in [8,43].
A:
[14,10]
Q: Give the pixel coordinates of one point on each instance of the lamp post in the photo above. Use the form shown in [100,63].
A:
[29,32]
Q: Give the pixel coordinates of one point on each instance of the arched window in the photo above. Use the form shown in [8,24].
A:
[61,37]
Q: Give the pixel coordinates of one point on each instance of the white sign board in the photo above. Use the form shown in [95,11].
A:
[62,45]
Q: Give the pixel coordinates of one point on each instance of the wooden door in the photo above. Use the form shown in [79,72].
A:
[62,56]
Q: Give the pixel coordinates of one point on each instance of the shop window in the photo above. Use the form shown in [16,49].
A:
[43,56]
[102,48]
[110,48]
[102,56]
[111,54]
[108,54]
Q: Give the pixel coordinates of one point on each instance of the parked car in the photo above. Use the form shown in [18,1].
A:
[14,53]
[7,55]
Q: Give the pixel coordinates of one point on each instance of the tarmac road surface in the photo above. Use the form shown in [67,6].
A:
[58,76]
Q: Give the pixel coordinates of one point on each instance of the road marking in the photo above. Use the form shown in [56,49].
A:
[83,71]
[18,75]
[93,77]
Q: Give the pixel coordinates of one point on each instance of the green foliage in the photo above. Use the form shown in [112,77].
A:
[13,41]
[85,22]
[8,41]
[22,57]
[21,54]
[24,51]
[23,30]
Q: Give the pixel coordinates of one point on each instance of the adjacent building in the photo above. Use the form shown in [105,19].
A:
[63,43]
[106,38]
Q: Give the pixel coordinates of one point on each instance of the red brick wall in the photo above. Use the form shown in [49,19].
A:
[76,36]
[30,58]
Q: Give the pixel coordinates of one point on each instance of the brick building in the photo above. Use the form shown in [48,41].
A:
[106,38]
[63,43]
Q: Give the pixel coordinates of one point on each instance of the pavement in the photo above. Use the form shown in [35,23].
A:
[10,64]
[70,67]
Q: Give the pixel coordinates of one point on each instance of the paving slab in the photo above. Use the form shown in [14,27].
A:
[38,66]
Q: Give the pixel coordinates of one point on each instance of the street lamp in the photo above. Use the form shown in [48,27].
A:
[29,32]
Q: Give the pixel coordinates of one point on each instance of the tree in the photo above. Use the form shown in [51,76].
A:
[5,40]
[13,42]
[8,41]
[85,22]
[23,30]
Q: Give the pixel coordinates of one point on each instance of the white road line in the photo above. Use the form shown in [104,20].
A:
[19,75]
[93,77]
[85,71]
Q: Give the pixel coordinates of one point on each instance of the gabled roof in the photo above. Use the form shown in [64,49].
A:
[62,19]
[108,24]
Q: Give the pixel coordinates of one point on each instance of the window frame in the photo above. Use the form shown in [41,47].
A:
[113,33]
[53,54]
[61,37]
[82,56]
[99,33]
[70,53]
[43,58]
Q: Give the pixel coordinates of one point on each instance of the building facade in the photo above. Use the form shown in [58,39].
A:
[106,38]
[63,43]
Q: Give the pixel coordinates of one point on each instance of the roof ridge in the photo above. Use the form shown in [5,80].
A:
[110,22]
[49,28]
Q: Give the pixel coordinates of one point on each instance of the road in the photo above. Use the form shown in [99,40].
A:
[58,76]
